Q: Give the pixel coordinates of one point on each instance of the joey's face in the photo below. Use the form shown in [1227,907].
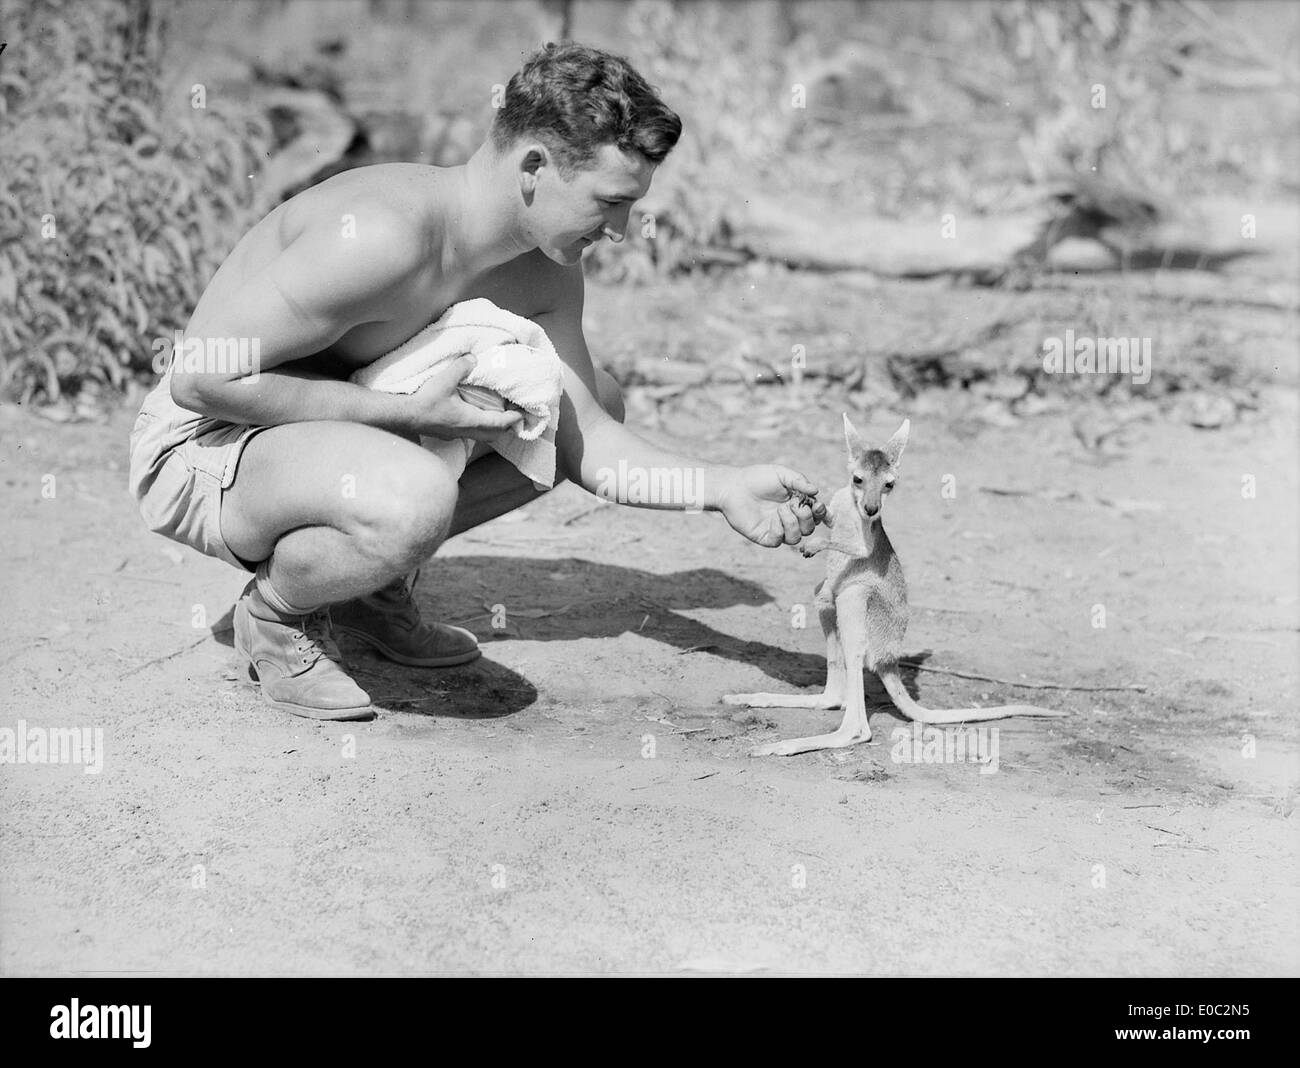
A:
[873,472]
[565,216]
[872,478]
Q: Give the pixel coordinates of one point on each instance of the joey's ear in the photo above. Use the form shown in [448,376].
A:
[851,438]
[895,445]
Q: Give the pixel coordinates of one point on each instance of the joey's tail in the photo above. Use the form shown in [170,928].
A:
[904,703]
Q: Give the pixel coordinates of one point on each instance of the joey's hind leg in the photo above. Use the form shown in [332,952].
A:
[836,676]
[851,634]
[855,636]
[832,696]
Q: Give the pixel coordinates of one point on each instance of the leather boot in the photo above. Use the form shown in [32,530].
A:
[389,621]
[295,659]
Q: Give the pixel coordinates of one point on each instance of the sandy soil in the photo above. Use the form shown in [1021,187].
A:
[507,817]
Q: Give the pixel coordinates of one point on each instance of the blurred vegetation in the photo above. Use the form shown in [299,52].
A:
[887,108]
[1166,70]
[118,206]
[914,109]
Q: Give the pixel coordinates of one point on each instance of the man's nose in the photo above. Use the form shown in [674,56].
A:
[616,230]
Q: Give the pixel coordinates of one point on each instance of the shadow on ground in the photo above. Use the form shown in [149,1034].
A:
[566,604]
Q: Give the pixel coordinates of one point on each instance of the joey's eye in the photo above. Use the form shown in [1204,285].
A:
[890,484]
[857,480]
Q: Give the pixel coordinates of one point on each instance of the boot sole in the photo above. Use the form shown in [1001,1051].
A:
[307,711]
[409,661]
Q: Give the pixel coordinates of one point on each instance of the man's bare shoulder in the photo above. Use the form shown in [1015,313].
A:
[403,187]
[385,203]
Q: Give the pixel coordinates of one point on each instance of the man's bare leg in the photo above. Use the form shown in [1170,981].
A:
[333,511]
[490,487]
[338,508]
[341,508]
[389,621]
[340,514]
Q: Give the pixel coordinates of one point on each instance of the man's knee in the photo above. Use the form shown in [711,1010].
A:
[610,395]
[403,512]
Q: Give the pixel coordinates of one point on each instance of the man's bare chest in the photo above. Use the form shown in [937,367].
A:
[507,288]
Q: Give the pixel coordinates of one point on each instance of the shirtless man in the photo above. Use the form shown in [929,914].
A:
[252,469]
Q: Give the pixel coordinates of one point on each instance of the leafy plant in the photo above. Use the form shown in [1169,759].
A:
[119,202]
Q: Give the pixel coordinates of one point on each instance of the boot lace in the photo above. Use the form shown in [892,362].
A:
[315,639]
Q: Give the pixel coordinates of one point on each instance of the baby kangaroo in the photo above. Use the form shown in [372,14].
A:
[862,605]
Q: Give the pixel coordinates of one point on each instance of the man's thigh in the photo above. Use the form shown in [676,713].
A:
[326,473]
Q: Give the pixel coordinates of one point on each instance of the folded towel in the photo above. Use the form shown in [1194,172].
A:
[516,362]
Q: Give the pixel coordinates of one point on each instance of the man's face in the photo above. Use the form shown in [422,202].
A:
[568,215]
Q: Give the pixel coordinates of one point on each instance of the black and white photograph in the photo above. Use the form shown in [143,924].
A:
[585,488]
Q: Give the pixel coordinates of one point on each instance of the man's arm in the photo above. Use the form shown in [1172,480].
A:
[589,443]
[606,458]
[320,287]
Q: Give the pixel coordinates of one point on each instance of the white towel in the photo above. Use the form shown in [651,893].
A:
[516,363]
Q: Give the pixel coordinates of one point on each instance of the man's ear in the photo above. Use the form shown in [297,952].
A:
[852,438]
[530,163]
[895,445]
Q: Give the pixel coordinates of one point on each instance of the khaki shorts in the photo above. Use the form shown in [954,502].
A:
[179,488]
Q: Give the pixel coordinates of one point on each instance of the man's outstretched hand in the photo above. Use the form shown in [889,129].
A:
[771,505]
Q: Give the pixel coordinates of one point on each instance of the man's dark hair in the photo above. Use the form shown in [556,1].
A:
[576,99]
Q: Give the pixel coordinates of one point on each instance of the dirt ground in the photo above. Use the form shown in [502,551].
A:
[579,800]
